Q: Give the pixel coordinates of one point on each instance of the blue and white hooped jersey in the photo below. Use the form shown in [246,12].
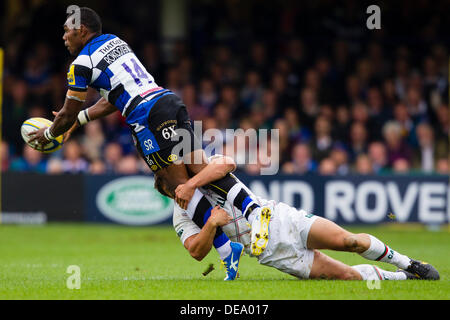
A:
[107,64]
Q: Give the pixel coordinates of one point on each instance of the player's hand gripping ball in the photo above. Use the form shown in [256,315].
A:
[34,124]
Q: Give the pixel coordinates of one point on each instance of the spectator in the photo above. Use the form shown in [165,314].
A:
[402,117]
[195,110]
[222,115]
[341,128]
[417,107]
[283,137]
[322,141]
[378,157]
[358,140]
[309,107]
[73,161]
[340,157]
[301,161]
[295,131]
[128,165]
[93,140]
[363,164]
[31,161]
[443,127]
[401,166]
[55,166]
[113,153]
[327,167]
[396,147]
[360,113]
[207,95]
[16,105]
[252,91]
[443,166]
[97,167]
[429,150]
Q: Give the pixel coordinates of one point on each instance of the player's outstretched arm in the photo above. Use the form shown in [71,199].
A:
[218,168]
[64,120]
[200,244]
[100,109]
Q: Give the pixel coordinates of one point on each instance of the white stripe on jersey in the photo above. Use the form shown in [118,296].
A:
[192,206]
[104,49]
[83,60]
[95,74]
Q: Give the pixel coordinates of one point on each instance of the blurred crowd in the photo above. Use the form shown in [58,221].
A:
[345,100]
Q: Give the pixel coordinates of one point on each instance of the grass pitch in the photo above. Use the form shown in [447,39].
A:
[118,262]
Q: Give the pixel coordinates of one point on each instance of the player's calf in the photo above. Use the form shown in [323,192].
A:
[356,242]
[327,268]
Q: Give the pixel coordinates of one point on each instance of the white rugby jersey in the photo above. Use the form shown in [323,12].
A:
[238,230]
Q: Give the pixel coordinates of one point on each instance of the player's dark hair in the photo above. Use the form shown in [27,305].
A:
[90,19]
[159,186]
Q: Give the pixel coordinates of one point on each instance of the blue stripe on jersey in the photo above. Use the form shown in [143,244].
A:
[245,203]
[95,43]
[109,72]
[220,240]
[103,82]
[207,215]
[142,110]
[122,100]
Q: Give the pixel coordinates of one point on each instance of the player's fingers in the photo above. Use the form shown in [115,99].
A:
[55,113]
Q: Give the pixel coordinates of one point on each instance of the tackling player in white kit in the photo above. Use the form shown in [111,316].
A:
[289,239]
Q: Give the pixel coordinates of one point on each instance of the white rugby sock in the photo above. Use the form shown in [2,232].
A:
[379,251]
[224,250]
[371,272]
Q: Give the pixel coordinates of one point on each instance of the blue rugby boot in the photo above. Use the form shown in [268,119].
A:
[231,262]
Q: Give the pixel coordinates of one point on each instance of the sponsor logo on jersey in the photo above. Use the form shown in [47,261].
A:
[172,158]
[165,123]
[133,201]
[111,44]
[220,202]
[71,75]
[149,161]
[179,233]
[148,144]
[116,53]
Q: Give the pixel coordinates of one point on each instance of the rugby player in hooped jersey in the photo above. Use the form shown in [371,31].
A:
[289,239]
[154,114]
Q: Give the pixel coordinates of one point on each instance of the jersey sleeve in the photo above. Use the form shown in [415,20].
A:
[79,77]
[184,226]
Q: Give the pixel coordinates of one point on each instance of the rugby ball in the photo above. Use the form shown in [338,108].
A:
[34,124]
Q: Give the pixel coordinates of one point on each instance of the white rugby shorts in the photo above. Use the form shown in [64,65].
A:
[288,234]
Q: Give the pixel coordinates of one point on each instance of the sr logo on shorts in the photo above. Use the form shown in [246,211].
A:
[147,141]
